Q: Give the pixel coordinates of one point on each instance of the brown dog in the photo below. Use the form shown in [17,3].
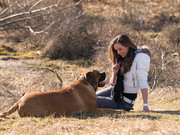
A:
[77,98]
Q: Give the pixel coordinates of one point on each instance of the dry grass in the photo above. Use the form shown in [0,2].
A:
[24,76]
[129,123]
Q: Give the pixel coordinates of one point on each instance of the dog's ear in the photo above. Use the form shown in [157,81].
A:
[90,76]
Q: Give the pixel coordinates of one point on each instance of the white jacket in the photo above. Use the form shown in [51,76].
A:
[136,78]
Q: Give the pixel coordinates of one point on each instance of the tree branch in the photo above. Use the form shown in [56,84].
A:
[61,81]
[38,32]
[31,14]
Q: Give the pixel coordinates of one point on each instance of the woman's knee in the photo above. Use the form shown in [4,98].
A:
[106,102]
[105,92]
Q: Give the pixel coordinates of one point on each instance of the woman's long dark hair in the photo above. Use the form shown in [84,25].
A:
[126,62]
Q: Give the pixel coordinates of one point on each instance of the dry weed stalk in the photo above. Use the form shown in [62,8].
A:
[53,71]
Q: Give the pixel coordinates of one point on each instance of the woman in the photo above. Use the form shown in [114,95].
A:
[129,74]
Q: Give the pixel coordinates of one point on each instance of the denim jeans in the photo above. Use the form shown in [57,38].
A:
[104,100]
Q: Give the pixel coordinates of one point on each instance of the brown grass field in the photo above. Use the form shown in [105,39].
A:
[24,71]
[20,76]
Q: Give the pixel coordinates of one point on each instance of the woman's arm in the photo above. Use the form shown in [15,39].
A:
[113,79]
[115,69]
[143,63]
[145,99]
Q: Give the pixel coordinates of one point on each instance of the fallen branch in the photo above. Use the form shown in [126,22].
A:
[35,5]
[61,81]
[4,25]
[37,11]
[38,32]
[9,7]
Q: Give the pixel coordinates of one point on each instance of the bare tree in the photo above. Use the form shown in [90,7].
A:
[34,15]
[61,22]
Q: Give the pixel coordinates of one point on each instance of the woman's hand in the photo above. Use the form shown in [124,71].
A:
[116,68]
[145,99]
[146,109]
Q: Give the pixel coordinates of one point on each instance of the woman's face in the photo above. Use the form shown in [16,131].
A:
[121,50]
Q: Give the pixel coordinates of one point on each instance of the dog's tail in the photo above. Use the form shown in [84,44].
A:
[11,110]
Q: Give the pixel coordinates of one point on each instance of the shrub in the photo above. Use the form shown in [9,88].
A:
[72,41]
[172,33]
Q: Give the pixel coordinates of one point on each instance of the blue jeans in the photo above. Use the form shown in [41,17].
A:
[104,100]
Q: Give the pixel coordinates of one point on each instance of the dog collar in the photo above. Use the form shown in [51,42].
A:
[82,77]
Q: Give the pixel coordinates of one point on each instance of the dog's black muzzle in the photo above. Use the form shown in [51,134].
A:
[102,78]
